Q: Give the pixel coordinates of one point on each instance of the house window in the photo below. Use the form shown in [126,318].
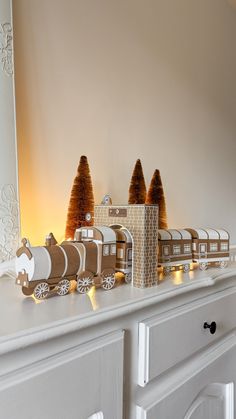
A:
[130,254]
[165,250]
[187,248]
[213,247]
[224,247]
[106,250]
[120,253]
[90,233]
[176,249]
[113,249]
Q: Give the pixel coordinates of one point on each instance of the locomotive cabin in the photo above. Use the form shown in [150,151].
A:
[210,245]
[174,249]
[103,241]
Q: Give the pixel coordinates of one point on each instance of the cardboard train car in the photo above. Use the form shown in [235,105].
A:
[180,248]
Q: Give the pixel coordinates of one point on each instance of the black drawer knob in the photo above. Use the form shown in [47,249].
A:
[211,326]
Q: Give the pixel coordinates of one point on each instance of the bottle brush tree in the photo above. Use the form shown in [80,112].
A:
[81,200]
[137,189]
[156,196]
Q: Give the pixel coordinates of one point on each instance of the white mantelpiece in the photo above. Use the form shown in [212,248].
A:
[9,213]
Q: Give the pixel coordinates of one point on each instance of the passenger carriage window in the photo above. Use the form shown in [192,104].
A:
[203,248]
[213,247]
[90,233]
[130,254]
[113,249]
[176,249]
[165,250]
[106,250]
[187,248]
[224,247]
[84,232]
[120,253]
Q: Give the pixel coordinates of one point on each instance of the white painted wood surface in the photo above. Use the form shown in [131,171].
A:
[29,321]
[184,326]
[72,347]
[72,384]
[216,401]
[181,395]
[9,214]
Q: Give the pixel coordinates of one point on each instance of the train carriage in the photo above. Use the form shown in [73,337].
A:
[99,265]
[210,246]
[174,250]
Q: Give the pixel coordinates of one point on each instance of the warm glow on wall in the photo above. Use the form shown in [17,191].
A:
[38,220]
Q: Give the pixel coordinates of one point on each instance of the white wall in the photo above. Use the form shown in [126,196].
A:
[121,80]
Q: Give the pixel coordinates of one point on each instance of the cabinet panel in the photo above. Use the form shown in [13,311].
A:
[75,384]
[203,389]
[171,337]
[216,401]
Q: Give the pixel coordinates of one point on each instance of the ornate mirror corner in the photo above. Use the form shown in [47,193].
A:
[9,203]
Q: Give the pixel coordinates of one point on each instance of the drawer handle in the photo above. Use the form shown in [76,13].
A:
[211,326]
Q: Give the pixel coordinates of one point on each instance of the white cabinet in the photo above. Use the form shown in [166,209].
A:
[123,354]
[81,382]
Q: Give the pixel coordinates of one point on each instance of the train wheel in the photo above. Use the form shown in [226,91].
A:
[167,270]
[84,282]
[186,267]
[203,266]
[63,287]
[27,291]
[222,264]
[41,290]
[108,280]
[128,277]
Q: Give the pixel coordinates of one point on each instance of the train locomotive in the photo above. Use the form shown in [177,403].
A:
[179,248]
[92,258]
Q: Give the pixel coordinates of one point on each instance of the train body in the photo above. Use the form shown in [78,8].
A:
[98,252]
[179,248]
[92,258]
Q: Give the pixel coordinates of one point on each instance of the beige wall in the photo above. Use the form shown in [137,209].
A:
[119,80]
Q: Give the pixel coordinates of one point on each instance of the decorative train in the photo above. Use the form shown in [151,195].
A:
[97,253]
[92,258]
[179,248]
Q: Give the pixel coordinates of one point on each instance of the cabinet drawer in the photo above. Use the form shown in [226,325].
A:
[79,383]
[171,337]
